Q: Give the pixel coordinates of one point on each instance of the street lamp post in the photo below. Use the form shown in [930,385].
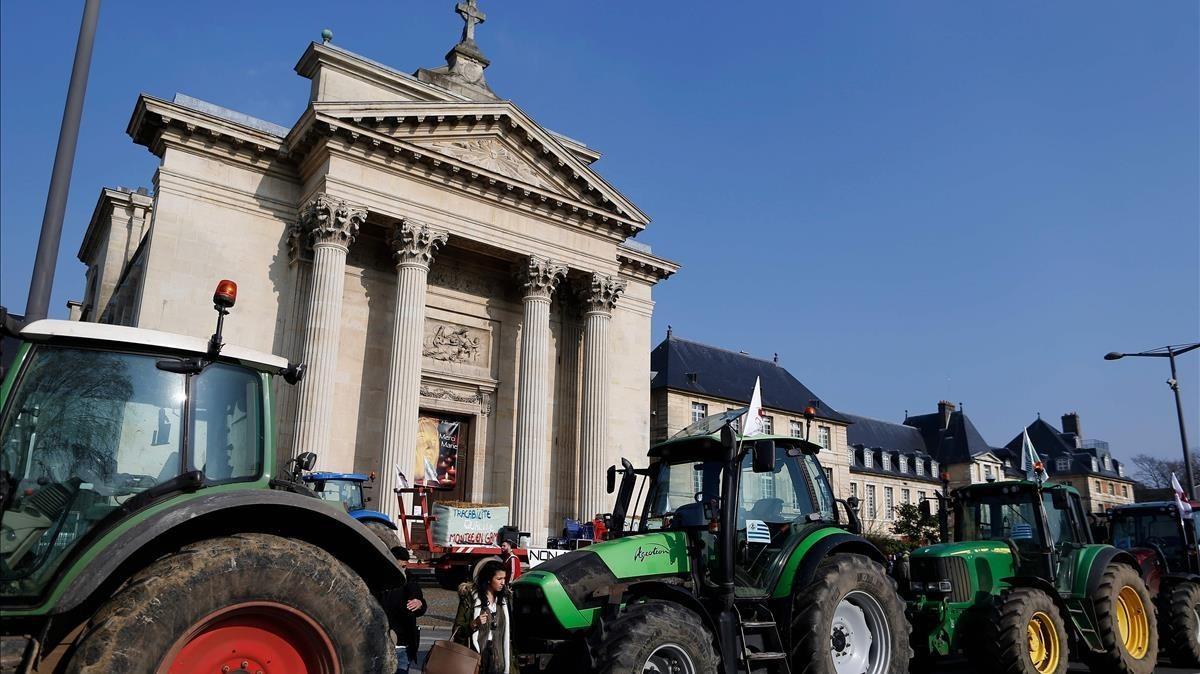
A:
[1169,352]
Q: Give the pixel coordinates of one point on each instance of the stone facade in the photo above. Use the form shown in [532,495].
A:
[428,249]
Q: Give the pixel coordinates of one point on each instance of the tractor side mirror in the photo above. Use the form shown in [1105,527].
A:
[611,479]
[764,456]
[925,508]
[306,461]
[728,438]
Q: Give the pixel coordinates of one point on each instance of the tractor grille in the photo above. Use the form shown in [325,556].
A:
[953,569]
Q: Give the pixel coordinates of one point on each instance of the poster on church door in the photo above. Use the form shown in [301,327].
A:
[437,452]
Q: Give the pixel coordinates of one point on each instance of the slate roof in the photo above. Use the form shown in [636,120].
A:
[721,373]
[959,442]
[1052,444]
[877,434]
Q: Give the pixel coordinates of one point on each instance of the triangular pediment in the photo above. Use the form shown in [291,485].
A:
[496,140]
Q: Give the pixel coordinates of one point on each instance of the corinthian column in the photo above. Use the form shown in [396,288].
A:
[413,245]
[530,494]
[329,226]
[593,434]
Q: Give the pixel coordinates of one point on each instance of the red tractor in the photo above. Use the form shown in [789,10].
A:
[1166,544]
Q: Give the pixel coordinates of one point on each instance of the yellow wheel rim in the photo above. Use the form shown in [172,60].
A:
[1133,625]
[1044,646]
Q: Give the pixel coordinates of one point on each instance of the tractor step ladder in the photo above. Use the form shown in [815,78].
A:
[1081,618]
[761,645]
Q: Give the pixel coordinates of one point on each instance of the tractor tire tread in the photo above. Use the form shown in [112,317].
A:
[629,638]
[1114,659]
[1177,623]
[1006,645]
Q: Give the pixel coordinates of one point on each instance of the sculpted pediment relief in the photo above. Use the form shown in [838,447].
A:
[490,143]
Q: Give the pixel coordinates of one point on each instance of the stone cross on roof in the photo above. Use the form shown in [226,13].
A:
[472,16]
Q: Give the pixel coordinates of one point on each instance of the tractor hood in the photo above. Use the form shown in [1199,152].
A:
[573,586]
[956,572]
[968,548]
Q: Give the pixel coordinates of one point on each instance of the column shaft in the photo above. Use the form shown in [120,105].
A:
[314,420]
[593,434]
[530,483]
[404,385]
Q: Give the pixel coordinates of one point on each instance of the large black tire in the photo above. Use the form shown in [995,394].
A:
[1179,623]
[643,629]
[819,631]
[297,590]
[1007,639]
[385,534]
[1142,636]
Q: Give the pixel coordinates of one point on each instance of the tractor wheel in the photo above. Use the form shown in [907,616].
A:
[1179,624]
[849,619]
[248,602]
[1026,635]
[385,533]
[656,636]
[1125,623]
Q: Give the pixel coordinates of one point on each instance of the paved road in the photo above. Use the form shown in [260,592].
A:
[435,625]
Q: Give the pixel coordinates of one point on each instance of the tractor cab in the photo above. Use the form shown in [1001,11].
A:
[1044,526]
[1157,530]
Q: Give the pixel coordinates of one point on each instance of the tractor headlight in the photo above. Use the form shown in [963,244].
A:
[942,586]
[917,586]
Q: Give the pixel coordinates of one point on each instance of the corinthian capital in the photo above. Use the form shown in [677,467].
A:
[328,219]
[413,241]
[603,292]
[541,276]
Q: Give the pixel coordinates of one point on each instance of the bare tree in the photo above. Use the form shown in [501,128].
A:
[1155,472]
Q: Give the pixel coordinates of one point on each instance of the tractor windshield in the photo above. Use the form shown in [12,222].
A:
[797,488]
[1000,515]
[1152,528]
[85,432]
[348,492]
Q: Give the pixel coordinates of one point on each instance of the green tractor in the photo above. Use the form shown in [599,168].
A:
[146,525]
[737,563]
[1023,585]
[1166,543]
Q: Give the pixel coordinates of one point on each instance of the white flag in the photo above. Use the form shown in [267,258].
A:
[1181,497]
[1031,463]
[752,423]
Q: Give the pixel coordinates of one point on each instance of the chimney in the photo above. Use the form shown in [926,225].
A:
[1070,425]
[945,409]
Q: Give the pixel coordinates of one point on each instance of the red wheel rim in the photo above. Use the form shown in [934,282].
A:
[254,637]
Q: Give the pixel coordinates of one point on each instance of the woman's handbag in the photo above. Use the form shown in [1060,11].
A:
[450,657]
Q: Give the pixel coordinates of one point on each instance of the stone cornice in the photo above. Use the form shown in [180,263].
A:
[401,83]
[152,116]
[109,198]
[645,266]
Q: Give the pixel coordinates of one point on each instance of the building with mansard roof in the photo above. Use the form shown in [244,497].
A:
[952,439]
[889,466]
[461,281]
[1087,465]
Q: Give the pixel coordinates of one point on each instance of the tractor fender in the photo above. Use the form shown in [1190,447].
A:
[1099,562]
[829,545]
[676,594]
[269,511]
[1035,583]
[373,516]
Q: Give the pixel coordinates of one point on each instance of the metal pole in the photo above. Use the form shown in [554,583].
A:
[38,304]
[1187,453]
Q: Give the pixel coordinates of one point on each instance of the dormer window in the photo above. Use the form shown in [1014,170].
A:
[1095,465]
[904,464]
[867,458]
[1107,462]
[920,466]
[1121,469]
[1062,464]
[933,468]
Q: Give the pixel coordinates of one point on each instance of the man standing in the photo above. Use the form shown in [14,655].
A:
[511,562]
[403,605]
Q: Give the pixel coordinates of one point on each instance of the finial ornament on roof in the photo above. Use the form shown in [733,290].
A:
[326,36]
[472,16]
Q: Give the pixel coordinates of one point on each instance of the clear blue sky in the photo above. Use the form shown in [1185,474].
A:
[907,201]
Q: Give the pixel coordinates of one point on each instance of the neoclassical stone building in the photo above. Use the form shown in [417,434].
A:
[450,270]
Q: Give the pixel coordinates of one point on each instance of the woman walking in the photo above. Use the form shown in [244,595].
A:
[483,621]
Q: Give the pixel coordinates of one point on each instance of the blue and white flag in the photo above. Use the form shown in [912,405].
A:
[1031,463]
[757,532]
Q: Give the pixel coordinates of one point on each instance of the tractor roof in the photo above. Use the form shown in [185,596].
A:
[122,336]
[1022,484]
[1161,506]
[709,447]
